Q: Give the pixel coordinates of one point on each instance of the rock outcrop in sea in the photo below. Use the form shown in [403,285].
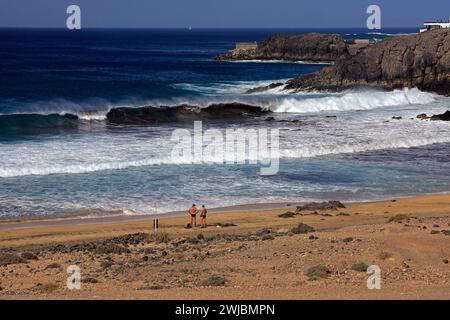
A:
[421,61]
[315,47]
[164,114]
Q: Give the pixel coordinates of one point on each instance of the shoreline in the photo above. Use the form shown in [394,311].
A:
[253,250]
[25,222]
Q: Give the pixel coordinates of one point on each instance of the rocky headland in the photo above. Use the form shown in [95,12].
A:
[421,61]
[315,47]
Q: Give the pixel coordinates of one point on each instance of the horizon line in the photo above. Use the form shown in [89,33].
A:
[201,28]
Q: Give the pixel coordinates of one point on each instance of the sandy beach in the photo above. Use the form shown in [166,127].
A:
[243,254]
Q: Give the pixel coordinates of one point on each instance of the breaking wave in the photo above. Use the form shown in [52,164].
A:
[348,101]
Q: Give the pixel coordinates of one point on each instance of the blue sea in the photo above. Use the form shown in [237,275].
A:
[59,156]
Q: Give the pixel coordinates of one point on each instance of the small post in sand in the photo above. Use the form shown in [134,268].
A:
[156,220]
[155,224]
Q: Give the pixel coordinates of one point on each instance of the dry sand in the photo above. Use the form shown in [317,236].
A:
[412,253]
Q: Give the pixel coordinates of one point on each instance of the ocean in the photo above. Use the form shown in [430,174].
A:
[60,157]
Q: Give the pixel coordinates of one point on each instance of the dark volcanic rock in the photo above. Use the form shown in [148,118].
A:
[443,117]
[10,258]
[330,205]
[293,47]
[422,116]
[164,114]
[421,61]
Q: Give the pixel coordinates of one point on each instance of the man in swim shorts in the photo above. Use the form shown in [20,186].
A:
[193,214]
[203,213]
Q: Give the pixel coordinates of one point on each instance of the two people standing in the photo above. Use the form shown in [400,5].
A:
[193,213]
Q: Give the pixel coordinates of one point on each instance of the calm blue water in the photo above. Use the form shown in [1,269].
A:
[75,165]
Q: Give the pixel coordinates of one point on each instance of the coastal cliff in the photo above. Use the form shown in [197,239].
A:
[421,61]
[314,47]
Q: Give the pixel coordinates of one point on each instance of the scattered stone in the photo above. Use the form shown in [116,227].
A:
[178,241]
[200,236]
[384,255]
[422,116]
[445,261]
[269,119]
[360,266]
[288,214]
[89,280]
[155,286]
[302,228]
[313,237]
[10,258]
[317,272]
[159,237]
[267,237]
[225,225]
[443,117]
[343,214]
[53,265]
[29,256]
[348,239]
[396,118]
[434,232]
[213,281]
[446,232]
[330,205]
[398,218]
[106,264]
[111,248]
[46,288]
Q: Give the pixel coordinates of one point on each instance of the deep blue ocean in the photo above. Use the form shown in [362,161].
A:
[55,164]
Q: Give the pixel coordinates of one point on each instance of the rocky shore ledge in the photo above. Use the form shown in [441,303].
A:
[314,47]
[421,61]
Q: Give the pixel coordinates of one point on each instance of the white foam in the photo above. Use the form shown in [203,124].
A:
[348,101]
[282,61]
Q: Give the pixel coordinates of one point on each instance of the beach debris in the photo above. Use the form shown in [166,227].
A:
[269,119]
[213,281]
[317,272]
[10,258]
[360,266]
[396,118]
[302,228]
[327,205]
